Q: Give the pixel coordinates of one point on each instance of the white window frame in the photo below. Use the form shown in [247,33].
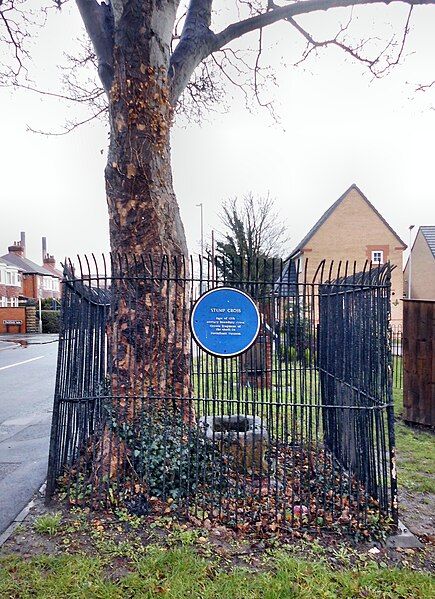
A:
[11,278]
[381,255]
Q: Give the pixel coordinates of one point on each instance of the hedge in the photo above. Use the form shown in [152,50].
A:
[50,321]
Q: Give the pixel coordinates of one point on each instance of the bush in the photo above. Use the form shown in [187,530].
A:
[174,462]
[50,321]
[47,303]
[297,334]
[288,353]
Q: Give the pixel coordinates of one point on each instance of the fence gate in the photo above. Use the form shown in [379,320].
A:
[295,432]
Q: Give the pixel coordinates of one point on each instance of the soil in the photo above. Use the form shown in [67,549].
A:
[417,512]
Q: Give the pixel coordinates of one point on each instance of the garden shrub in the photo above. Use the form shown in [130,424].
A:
[175,460]
[50,321]
[171,458]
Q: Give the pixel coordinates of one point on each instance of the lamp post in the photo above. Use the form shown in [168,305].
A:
[410,261]
[40,315]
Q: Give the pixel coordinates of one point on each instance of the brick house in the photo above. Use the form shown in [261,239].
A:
[352,229]
[422,265]
[10,285]
[36,281]
[12,315]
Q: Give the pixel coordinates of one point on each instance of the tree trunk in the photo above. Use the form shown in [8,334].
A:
[149,330]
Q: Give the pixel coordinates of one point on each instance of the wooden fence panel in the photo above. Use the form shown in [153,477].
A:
[419,362]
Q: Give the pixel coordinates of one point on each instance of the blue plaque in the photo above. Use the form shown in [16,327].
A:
[225,322]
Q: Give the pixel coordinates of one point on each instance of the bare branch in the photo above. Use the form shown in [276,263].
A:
[98,20]
[424,86]
[236,30]
[257,73]
[203,94]
[70,127]
[85,97]
[17,20]
[355,52]
[195,45]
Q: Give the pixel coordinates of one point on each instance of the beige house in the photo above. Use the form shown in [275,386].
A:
[353,230]
[420,266]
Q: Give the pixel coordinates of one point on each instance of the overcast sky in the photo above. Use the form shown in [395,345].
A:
[337,127]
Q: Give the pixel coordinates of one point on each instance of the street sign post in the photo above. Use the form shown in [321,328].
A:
[225,322]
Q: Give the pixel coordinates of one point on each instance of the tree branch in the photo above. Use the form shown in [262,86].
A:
[71,126]
[236,30]
[372,63]
[98,20]
[195,44]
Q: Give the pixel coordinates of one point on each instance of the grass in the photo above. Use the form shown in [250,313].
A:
[48,524]
[416,453]
[180,572]
[113,566]
[397,372]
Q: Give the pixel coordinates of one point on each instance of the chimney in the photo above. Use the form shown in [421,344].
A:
[49,260]
[19,247]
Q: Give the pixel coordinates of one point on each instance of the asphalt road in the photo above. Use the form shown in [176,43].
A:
[27,375]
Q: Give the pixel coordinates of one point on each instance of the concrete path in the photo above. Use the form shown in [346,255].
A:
[27,376]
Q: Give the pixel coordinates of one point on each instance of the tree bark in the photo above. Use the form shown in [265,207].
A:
[149,328]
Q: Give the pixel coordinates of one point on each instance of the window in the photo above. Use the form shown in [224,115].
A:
[3,302]
[12,302]
[12,278]
[378,257]
[50,283]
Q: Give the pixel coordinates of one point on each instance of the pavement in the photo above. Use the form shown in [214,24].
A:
[27,377]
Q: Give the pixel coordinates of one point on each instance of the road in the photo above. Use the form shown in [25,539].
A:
[27,375]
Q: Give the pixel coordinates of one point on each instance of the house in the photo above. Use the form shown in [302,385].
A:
[10,285]
[36,281]
[420,267]
[351,230]
[12,315]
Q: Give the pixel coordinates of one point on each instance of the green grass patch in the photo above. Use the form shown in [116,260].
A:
[397,373]
[181,573]
[416,453]
[48,524]
[398,402]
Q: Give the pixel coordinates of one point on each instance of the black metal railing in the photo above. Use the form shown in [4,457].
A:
[397,355]
[296,432]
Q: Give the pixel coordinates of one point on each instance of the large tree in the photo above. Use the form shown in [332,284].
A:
[144,80]
[253,238]
[144,66]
